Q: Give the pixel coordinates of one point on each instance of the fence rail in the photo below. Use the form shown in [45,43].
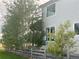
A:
[38,54]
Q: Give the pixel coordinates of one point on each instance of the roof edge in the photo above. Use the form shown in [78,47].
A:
[47,3]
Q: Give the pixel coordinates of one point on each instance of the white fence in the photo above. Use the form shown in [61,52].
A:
[38,54]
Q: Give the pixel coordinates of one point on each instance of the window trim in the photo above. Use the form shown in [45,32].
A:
[48,6]
[48,31]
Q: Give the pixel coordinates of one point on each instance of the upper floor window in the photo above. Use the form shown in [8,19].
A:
[51,10]
[76,27]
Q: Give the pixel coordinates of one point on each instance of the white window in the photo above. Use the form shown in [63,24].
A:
[51,10]
[50,34]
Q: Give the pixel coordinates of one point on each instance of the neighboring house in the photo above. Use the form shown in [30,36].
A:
[55,12]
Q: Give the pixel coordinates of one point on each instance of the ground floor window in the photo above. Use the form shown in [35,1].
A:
[76,28]
[50,33]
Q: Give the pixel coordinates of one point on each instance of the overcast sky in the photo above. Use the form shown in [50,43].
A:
[3,10]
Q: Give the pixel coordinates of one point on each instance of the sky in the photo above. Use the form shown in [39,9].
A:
[3,11]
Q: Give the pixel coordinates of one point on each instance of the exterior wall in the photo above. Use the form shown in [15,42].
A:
[65,10]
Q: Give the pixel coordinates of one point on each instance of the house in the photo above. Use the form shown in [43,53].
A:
[55,12]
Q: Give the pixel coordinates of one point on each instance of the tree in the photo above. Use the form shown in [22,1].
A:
[37,32]
[63,39]
[18,19]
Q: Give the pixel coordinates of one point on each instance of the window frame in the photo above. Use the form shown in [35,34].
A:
[76,28]
[49,32]
[54,9]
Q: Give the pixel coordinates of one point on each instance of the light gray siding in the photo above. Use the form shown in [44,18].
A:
[65,10]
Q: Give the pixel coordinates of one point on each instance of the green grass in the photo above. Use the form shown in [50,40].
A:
[7,55]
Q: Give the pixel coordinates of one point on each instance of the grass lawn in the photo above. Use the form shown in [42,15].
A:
[7,55]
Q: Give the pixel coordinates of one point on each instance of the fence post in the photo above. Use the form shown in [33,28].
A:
[45,54]
[31,53]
